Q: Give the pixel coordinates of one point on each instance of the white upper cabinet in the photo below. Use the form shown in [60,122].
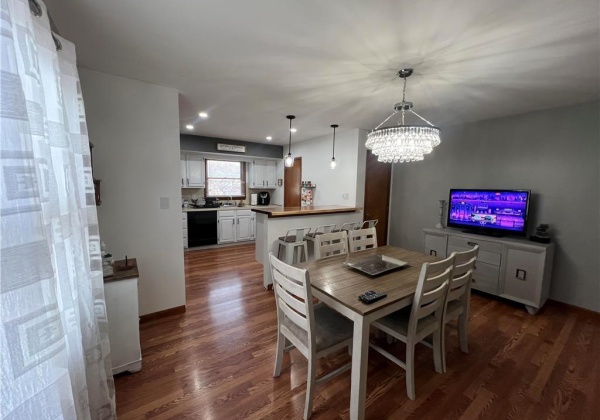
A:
[192,171]
[263,174]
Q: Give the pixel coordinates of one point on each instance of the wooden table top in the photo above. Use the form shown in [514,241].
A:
[302,211]
[344,284]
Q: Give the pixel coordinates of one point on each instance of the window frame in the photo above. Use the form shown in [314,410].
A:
[242,179]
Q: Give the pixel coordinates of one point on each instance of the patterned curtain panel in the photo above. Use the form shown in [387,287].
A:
[54,349]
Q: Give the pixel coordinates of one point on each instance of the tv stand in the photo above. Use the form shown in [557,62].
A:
[476,232]
[515,269]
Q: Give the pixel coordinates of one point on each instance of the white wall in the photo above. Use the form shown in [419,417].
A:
[345,178]
[135,129]
[555,153]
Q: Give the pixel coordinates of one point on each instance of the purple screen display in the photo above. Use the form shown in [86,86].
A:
[505,210]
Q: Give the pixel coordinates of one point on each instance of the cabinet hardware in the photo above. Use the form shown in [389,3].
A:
[182,181]
[433,252]
[521,274]
[472,243]
[188,182]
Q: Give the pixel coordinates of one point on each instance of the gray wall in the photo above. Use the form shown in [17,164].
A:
[191,143]
[555,153]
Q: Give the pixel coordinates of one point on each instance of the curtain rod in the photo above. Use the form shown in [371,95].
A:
[37,11]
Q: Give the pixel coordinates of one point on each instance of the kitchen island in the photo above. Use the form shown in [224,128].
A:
[273,222]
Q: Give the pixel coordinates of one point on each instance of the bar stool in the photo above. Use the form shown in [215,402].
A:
[294,244]
[348,227]
[310,236]
[369,224]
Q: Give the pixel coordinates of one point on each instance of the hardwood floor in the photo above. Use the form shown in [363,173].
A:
[216,360]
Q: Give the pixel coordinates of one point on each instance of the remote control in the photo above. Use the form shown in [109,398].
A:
[371,296]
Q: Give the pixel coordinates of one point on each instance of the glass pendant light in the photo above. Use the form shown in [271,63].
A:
[289,159]
[403,142]
[333,162]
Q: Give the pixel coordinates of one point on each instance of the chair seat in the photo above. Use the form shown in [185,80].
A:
[289,239]
[331,328]
[398,321]
[454,309]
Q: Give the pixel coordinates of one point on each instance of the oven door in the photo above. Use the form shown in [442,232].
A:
[202,228]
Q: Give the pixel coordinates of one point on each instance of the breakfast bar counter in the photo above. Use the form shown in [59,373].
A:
[272,222]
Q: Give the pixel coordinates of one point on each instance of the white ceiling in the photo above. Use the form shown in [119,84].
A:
[250,63]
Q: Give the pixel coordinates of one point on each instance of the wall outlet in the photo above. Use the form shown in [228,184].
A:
[346,196]
[164,203]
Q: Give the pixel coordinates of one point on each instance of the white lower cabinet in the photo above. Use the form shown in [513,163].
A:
[185,229]
[515,269]
[235,226]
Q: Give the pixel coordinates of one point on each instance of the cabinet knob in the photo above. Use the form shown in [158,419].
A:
[521,274]
[433,252]
[472,243]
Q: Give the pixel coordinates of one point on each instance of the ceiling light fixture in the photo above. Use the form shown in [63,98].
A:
[203,115]
[189,127]
[269,138]
[403,143]
[289,159]
[333,162]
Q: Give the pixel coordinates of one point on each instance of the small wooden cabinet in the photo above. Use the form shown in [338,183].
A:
[263,174]
[235,226]
[192,168]
[515,269]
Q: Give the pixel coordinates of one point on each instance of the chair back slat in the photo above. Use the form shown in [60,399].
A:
[330,244]
[432,290]
[362,239]
[293,295]
[464,264]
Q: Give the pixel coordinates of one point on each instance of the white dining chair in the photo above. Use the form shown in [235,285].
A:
[459,297]
[362,239]
[424,318]
[315,330]
[331,244]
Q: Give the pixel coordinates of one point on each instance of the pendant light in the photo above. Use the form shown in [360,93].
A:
[403,143]
[333,163]
[289,159]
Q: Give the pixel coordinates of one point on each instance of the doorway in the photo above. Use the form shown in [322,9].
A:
[292,183]
[378,177]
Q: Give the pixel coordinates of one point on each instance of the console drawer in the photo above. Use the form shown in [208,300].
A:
[486,270]
[484,283]
[489,252]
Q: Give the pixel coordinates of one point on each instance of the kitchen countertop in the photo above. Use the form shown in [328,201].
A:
[189,209]
[280,211]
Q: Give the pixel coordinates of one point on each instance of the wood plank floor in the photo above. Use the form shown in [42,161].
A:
[215,361]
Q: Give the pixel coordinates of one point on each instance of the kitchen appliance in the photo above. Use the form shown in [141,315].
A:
[211,203]
[253,199]
[264,198]
[202,228]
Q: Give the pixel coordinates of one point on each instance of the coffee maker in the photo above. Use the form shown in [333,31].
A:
[264,198]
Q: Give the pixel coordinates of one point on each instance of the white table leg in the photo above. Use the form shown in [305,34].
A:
[360,356]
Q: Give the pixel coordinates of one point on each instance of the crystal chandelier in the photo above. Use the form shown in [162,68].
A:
[403,143]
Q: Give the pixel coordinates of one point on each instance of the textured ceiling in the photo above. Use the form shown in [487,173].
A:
[250,63]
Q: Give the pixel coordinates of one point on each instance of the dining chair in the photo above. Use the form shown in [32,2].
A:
[362,239]
[294,245]
[314,329]
[459,297]
[330,244]
[424,318]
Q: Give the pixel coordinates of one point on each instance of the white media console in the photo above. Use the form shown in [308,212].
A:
[515,269]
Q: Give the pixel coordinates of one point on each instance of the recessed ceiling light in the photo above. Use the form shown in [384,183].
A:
[203,115]
[189,127]
[293,130]
[269,138]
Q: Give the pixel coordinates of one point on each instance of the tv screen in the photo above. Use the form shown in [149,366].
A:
[489,211]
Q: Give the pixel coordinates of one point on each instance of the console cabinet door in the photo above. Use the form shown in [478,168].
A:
[523,277]
[436,245]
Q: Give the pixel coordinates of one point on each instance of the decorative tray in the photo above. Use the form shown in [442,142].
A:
[375,265]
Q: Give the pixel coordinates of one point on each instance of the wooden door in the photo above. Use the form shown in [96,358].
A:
[292,182]
[377,195]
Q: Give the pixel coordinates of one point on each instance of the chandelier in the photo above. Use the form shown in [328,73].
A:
[403,143]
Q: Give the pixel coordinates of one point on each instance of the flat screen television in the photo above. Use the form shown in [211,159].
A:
[489,212]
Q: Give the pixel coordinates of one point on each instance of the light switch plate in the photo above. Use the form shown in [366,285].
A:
[346,196]
[164,203]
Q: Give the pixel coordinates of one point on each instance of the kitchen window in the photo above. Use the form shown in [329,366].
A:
[225,179]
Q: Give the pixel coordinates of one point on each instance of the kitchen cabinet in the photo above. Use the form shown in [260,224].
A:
[192,169]
[226,226]
[184,221]
[515,269]
[121,296]
[235,226]
[263,174]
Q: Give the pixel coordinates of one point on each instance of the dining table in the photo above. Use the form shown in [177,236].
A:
[338,285]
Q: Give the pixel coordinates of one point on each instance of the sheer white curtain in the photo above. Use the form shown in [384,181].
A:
[54,350]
